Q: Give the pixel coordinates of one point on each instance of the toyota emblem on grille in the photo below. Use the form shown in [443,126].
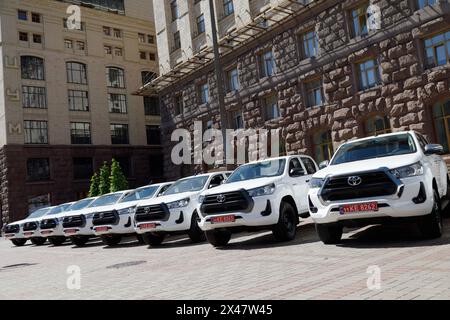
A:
[221,198]
[354,181]
[147,210]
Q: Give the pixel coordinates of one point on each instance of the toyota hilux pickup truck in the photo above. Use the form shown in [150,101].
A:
[387,178]
[114,222]
[20,232]
[269,194]
[176,211]
[78,225]
[51,226]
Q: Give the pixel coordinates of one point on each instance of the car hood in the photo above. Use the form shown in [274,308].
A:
[117,206]
[368,165]
[246,184]
[169,198]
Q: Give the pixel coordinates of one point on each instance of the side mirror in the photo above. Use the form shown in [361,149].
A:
[213,185]
[433,149]
[297,172]
[324,164]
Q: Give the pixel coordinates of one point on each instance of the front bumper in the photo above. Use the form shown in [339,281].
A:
[178,220]
[80,230]
[124,226]
[393,206]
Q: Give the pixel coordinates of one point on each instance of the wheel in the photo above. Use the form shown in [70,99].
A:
[57,241]
[19,242]
[286,228]
[140,239]
[111,239]
[431,225]
[38,241]
[153,239]
[195,233]
[218,238]
[79,241]
[329,233]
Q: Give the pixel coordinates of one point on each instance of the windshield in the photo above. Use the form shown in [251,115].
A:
[375,148]
[81,204]
[187,185]
[141,193]
[264,169]
[59,209]
[106,200]
[38,213]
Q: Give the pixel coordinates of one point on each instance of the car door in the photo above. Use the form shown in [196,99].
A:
[299,183]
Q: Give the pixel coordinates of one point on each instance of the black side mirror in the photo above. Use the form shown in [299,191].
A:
[324,164]
[297,172]
[213,185]
[433,149]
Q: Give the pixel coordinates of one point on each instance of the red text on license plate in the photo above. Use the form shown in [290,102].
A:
[359,207]
[101,229]
[46,232]
[27,234]
[70,231]
[147,226]
[223,219]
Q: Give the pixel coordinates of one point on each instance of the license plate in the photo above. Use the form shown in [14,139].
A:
[223,219]
[70,231]
[28,234]
[101,229]
[46,232]
[147,226]
[359,207]
[8,236]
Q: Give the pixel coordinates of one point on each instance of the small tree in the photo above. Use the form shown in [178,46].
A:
[104,179]
[94,189]
[117,179]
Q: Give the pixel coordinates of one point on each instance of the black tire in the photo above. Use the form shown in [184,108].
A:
[38,241]
[19,242]
[153,239]
[111,240]
[431,225]
[218,238]
[79,241]
[329,233]
[140,239]
[195,233]
[57,241]
[286,228]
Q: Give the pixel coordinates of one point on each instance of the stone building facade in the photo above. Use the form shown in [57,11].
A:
[354,83]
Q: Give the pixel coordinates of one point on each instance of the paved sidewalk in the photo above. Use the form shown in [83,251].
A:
[253,267]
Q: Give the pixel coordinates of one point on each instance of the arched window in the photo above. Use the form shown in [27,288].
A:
[76,72]
[377,125]
[323,145]
[441,115]
[115,77]
[32,68]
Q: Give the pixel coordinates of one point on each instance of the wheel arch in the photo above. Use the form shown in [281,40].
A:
[289,199]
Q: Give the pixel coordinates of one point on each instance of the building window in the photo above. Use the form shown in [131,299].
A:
[125,165]
[360,17]
[118,52]
[377,125]
[153,135]
[423,3]
[174,9]
[38,169]
[228,7]
[177,40]
[107,31]
[179,105]
[238,119]
[80,132]
[310,44]
[150,39]
[152,56]
[156,165]
[22,15]
[37,38]
[323,146]
[68,44]
[117,103]
[271,108]
[108,50]
[78,100]
[441,115]
[23,36]
[81,45]
[141,38]
[266,64]
[34,97]
[117,33]
[32,68]
[233,80]
[368,74]
[76,73]
[201,24]
[36,132]
[314,93]
[35,17]
[151,106]
[437,50]
[119,134]
[115,77]
[143,55]
[147,77]
[83,168]
[203,93]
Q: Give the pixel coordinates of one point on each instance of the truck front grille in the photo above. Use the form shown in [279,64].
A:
[48,224]
[74,221]
[12,228]
[236,201]
[158,212]
[108,217]
[30,226]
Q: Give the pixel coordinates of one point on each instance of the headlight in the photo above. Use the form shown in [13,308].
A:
[316,183]
[413,170]
[262,191]
[129,210]
[178,204]
[201,199]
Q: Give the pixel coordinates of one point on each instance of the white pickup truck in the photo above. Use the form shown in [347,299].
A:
[387,178]
[176,211]
[269,194]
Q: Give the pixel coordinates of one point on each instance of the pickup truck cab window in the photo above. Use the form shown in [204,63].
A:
[265,169]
